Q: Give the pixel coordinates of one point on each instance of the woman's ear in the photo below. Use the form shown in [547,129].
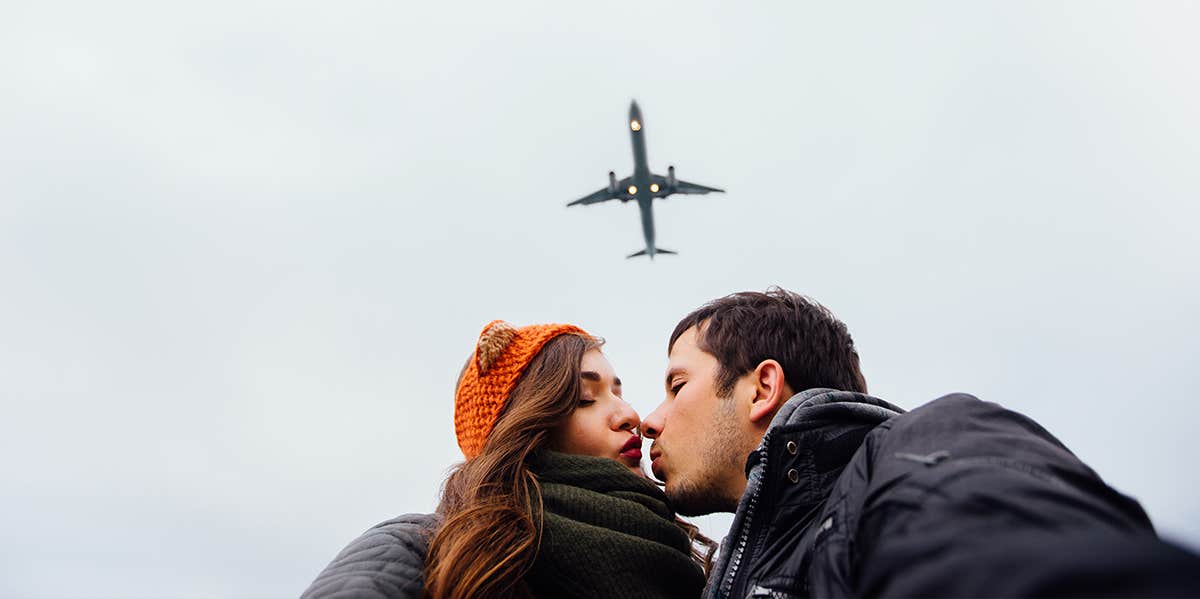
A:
[771,390]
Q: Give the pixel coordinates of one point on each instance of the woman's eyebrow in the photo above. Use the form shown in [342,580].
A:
[589,375]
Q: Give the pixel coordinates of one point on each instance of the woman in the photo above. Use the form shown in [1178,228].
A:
[550,501]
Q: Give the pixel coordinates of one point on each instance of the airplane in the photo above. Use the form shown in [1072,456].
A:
[643,186]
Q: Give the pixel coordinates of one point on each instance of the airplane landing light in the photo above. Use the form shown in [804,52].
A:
[654,187]
[633,190]
[636,126]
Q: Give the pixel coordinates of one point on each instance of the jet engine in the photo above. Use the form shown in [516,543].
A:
[612,182]
[671,177]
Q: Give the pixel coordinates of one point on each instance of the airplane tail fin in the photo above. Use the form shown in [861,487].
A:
[645,252]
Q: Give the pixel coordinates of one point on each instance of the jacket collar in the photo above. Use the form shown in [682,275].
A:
[814,432]
[792,471]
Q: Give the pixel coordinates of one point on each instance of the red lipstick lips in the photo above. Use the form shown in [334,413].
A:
[632,448]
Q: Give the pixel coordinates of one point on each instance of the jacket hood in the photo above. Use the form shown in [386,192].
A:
[815,403]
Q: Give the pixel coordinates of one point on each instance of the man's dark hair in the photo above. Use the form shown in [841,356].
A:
[743,329]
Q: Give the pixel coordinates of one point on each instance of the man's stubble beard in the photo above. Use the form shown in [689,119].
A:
[703,492]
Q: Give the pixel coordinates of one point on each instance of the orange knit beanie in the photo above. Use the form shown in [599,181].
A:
[501,355]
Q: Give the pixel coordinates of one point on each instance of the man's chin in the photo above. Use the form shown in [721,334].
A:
[693,501]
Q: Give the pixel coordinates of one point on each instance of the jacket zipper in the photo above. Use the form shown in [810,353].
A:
[735,560]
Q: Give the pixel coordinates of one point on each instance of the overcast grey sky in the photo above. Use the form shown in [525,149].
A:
[245,246]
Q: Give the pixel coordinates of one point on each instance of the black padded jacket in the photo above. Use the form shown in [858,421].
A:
[848,496]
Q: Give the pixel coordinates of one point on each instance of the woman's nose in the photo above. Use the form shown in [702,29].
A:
[626,417]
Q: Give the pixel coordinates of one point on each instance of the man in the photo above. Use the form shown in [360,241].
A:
[838,493]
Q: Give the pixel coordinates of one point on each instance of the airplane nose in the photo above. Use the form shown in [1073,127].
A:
[634,111]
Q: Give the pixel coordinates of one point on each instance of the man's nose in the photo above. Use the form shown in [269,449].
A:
[653,424]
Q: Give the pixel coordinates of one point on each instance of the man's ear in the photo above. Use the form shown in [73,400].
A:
[771,390]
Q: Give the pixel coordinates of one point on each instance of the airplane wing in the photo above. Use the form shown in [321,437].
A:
[604,195]
[681,186]
[685,187]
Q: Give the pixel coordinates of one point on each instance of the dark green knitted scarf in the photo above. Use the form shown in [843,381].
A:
[607,532]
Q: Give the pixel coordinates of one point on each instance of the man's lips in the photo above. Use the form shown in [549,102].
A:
[632,448]
[655,469]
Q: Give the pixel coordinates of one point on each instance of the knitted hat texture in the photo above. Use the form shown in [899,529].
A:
[502,354]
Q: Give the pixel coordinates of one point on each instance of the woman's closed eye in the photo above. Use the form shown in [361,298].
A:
[586,401]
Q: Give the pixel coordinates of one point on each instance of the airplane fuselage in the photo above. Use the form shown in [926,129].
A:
[641,177]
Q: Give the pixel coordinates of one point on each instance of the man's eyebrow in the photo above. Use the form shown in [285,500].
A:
[672,372]
[589,375]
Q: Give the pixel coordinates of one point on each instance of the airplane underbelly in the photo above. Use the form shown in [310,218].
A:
[647,220]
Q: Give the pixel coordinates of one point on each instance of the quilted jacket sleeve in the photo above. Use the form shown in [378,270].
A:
[385,562]
[968,499]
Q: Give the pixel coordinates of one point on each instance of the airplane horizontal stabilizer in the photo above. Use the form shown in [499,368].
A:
[644,252]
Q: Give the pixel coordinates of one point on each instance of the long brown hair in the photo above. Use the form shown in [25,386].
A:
[491,504]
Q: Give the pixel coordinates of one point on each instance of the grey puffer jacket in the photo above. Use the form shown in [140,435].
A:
[387,561]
